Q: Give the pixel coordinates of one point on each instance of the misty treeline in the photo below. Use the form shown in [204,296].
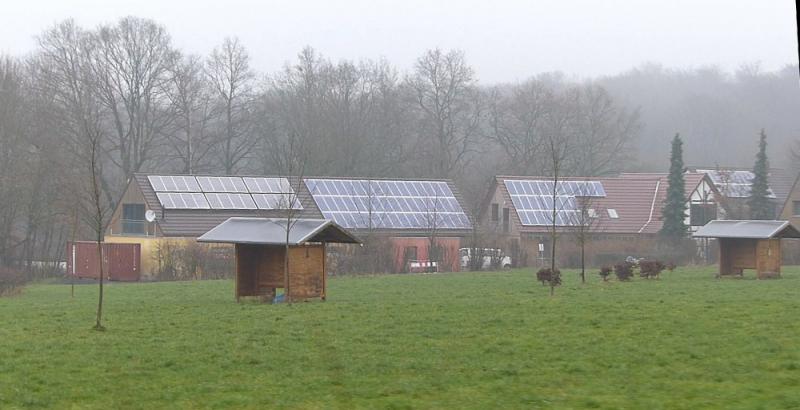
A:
[124,87]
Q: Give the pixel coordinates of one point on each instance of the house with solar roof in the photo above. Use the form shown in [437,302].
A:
[414,215]
[411,214]
[621,215]
[734,185]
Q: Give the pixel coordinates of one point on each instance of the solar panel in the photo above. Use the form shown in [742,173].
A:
[182,200]
[729,176]
[734,184]
[544,203]
[173,183]
[543,187]
[388,204]
[222,184]
[545,218]
[226,200]
[534,201]
[277,201]
[258,185]
[209,192]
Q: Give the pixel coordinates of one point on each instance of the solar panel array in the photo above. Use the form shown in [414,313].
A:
[232,193]
[544,187]
[534,202]
[733,183]
[384,204]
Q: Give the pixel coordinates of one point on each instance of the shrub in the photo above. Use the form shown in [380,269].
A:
[605,271]
[11,281]
[555,278]
[651,269]
[547,276]
[623,271]
[188,260]
[671,266]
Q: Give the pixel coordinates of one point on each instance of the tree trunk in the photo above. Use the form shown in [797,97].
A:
[98,325]
[583,262]
[286,297]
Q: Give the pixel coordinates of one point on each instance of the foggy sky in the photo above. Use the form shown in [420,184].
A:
[505,40]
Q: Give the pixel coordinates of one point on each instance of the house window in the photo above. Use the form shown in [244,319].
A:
[506,219]
[591,212]
[495,213]
[701,214]
[133,221]
[612,213]
[796,208]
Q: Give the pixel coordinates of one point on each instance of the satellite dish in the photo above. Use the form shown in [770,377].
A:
[150,215]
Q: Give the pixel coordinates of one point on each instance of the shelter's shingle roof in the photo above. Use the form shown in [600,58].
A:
[272,231]
[748,230]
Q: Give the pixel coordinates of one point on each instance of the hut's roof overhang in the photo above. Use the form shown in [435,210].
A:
[272,231]
[747,229]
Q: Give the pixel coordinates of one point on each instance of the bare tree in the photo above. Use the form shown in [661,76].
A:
[131,63]
[294,168]
[586,221]
[605,133]
[354,114]
[65,71]
[190,96]
[433,222]
[97,213]
[372,216]
[12,159]
[558,151]
[450,109]
[228,70]
[517,121]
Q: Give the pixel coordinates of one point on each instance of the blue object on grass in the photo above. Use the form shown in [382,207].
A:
[278,299]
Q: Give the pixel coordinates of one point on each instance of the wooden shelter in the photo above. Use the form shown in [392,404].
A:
[749,245]
[261,252]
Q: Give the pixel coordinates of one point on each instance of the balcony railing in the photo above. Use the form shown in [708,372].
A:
[134,226]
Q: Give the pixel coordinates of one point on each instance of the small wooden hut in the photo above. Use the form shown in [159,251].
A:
[749,245]
[260,252]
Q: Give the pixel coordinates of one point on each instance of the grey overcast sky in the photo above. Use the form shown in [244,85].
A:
[505,40]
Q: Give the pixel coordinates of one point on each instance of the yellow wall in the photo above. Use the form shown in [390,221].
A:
[150,247]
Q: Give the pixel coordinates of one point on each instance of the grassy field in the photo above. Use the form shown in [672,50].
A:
[469,340]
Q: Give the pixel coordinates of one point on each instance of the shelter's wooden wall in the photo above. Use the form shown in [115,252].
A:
[260,270]
[306,271]
[768,256]
[763,255]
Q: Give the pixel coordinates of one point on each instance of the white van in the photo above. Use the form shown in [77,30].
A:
[491,257]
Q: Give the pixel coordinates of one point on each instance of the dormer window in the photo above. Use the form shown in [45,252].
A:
[612,213]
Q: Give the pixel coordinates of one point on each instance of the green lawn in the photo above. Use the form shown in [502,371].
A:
[469,340]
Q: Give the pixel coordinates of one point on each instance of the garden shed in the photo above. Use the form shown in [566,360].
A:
[749,245]
[260,254]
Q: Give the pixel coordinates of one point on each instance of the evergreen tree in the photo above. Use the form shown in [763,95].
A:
[674,211]
[759,203]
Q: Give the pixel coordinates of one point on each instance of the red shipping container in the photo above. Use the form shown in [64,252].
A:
[121,261]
